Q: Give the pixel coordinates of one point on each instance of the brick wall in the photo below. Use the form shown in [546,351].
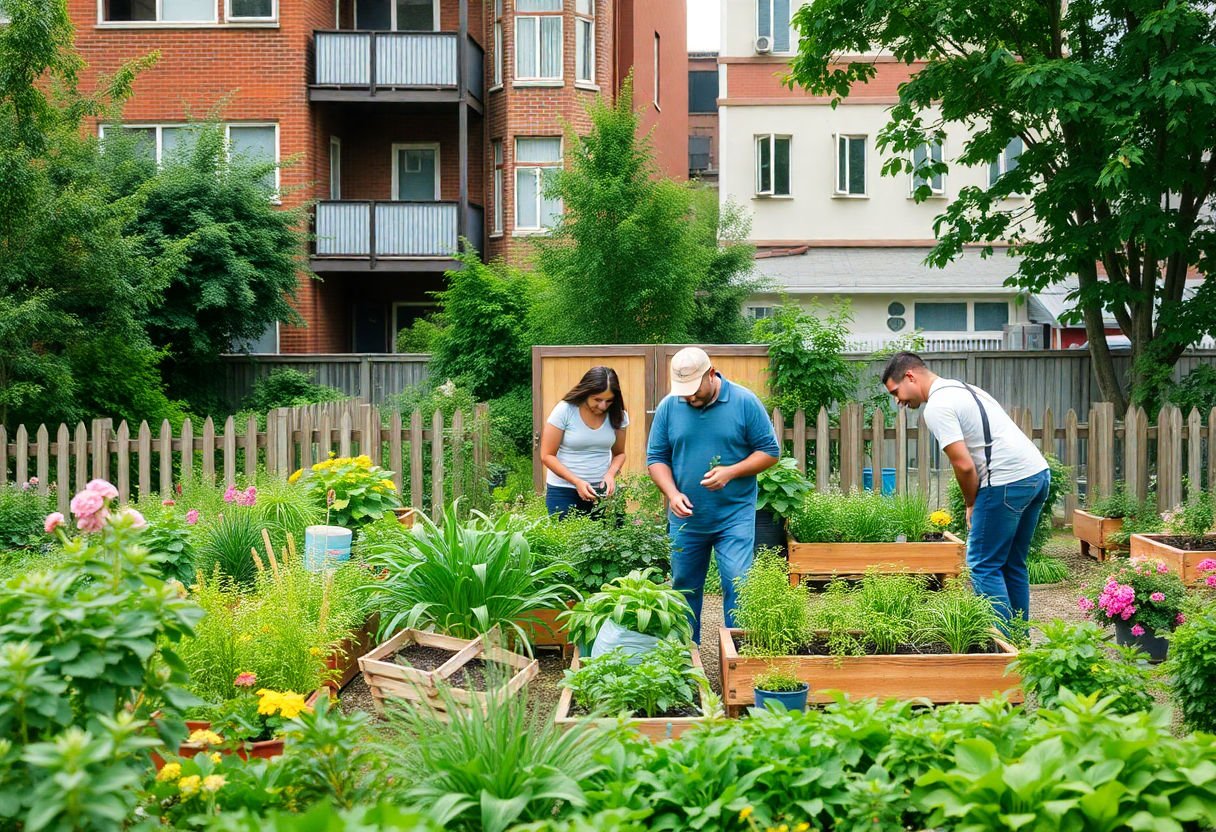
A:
[759,79]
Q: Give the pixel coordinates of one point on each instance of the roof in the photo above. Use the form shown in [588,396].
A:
[1053,302]
[871,270]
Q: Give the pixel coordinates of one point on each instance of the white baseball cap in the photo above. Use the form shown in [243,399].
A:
[688,367]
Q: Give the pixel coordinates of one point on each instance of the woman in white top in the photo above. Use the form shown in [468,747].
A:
[583,443]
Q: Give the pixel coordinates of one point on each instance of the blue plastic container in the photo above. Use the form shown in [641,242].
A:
[325,547]
[794,700]
[888,480]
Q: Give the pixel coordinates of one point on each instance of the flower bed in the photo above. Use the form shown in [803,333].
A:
[939,678]
[1097,534]
[390,679]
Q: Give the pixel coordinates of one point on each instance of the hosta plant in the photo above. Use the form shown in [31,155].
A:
[781,488]
[1191,667]
[635,602]
[353,490]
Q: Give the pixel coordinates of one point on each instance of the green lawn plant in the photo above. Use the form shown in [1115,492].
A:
[957,618]
[1077,657]
[635,602]
[226,543]
[462,577]
[1045,569]
[615,684]
[351,490]
[781,487]
[774,615]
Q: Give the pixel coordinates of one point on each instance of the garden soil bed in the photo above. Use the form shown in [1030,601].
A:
[820,648]
[1094,531]
[938,678]
[819,561]
[656,728]
[1182,562]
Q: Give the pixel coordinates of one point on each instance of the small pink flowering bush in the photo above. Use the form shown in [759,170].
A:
[1143,593]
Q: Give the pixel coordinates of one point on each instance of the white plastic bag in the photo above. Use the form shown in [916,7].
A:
[613,636]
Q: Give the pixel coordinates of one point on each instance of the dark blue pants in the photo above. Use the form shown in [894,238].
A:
[998,544]
[561,500]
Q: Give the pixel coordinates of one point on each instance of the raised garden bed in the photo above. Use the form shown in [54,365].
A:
[544,630]
[413,664]
[1165,548]
[656,728]
[1095,533]
[344,660]
[822,561]
[938,677]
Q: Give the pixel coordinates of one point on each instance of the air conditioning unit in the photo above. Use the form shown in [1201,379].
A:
[764,44]
[1024,337]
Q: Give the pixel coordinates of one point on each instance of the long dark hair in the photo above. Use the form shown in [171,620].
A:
[597,380]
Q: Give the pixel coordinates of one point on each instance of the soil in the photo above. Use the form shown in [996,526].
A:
[470,676]
[674,713]
[933,537]
[1189,544]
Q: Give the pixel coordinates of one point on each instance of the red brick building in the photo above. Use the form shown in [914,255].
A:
[409,123]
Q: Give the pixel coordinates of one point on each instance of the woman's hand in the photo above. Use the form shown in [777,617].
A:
[609,484]
[586,491]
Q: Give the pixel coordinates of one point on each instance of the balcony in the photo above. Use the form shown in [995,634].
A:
[374,235]
[357,65]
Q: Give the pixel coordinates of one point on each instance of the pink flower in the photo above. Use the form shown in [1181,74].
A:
[1162,568]
[1207,565]
[1137,630]
[1180,619]
[1210,580]
[168,502]
[1157,596]
[33,482]
[105,489]
[53,521]
[136,519]
[89,509]
[246,679]
[230,494]
[191,517]
[248,498]
[1085,604]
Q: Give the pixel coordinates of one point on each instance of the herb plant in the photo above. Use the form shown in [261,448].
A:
[620,543]
[664,680]
[774,615]
[226,545]
[957,618]
[1118,504]
[1192,520]
[776,680]
[635,602]
[860,517]
[781,487]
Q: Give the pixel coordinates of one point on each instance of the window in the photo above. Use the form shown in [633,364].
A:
[584,41]
[756,313]
[250,143]
[538,41]
[698,153]
[656,70]
[335,167]
[498,212]
[416,16]
[895,316]
[929,153]
[256,144]
[941,317]
[498,46]
[773,21]
[703,91]
[416,172]
[1006,162]
[536,160]
[991,317]
[397,15]
[251,10]
[851,165]
[772,165]
[158,11]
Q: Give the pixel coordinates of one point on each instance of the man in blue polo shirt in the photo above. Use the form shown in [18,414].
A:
[709,440]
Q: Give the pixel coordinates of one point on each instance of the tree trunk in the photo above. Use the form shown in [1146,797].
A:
[1100,357]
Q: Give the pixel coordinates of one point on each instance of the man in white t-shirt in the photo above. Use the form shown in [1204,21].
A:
[1003,477]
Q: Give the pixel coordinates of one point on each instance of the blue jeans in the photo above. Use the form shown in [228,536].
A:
[734,547]
[1002,525]
[562,500]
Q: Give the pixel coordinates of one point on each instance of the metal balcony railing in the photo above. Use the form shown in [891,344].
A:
[394,60]
[373,228]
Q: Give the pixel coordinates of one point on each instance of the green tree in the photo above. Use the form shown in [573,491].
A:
[625,260]
[722,230]
[1115,104]
[807,366]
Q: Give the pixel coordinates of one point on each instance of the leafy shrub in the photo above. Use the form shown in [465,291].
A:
[636,603]
[620,543]
[1197,390]
[511,417]
[664,680]
[1191,666]
[328,756]
[379,535]
[1076,657]
[781,487]
[465,578]
[286,387]
[419,337]
[807,365]
[1121,503]
[168,538]
[774,615]
[1191,520]
[22,510]
[446,397]
[361,491]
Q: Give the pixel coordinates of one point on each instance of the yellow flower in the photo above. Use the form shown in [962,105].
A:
[189,786]
[244,637]
[204,737]
[268,701]
[388,485]
[363,461]
[299,473]
[802,827]
[332,454]
[169,773]
[216,757]
[745,814]
[314,651]
[940,518]
[213,782]
[291,704]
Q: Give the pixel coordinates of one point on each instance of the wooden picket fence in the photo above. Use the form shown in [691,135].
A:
[293,438]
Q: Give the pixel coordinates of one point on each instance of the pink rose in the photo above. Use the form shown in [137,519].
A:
[1137,630]
[191,517]
[92,523]
[105,489]
[136,519]
[53,521]
[1157,596]
[87,503]
[33,482]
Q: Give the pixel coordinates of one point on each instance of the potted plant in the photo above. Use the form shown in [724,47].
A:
[1185,541]
[1142,600]
[1098,526]
[780,686]
[886,636]
[249,723]
[781,490]
[833,534]
[635,605]
[661,694]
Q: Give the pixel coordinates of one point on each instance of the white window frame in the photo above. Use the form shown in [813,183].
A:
[657,69]
[159,21]
[772,30]
[498,162]
[499,49]
[912,177]
[274,14]
[846,194]
[1002,161]
[159,127]
[542,80]
[539,168]
[771,140]
[335,155]
[397,146]
[584,26]
[971,314]
[277,150]
[392,6]
[753,312]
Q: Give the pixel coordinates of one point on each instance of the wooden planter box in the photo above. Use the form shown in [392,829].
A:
[1094,531]
[655,729]
[544,630]
[821,561]
[344,659]
[1182,562]
[388,680]
[939,678]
